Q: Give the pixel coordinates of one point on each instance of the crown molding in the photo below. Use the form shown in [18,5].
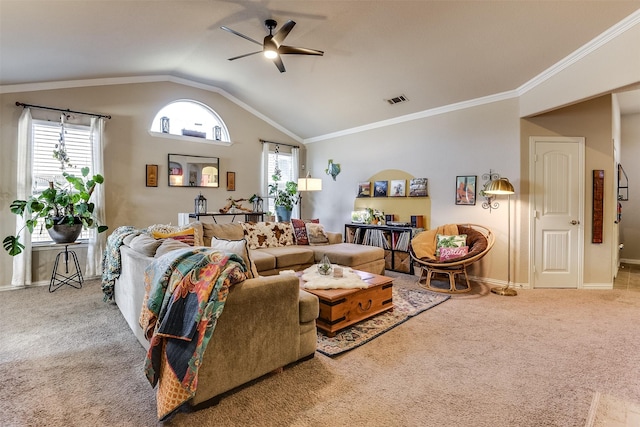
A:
[595,44]
[417,115]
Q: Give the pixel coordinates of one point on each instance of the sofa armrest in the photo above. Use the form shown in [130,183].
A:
[334,237]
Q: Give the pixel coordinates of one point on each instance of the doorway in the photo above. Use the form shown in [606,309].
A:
[556,166]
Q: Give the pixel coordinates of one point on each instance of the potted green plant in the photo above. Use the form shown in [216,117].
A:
[66,210]
[284,198]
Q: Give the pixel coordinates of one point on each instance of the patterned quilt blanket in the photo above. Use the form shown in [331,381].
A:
[186,290]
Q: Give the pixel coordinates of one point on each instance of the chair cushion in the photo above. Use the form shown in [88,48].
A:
[264,261]
[290,256]
[349,254]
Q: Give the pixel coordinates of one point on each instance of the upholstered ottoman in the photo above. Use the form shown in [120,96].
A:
[359,257]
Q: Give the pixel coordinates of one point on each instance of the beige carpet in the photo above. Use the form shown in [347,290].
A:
[68,359]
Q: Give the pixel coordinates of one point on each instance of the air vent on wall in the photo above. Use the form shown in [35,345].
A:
[397,99]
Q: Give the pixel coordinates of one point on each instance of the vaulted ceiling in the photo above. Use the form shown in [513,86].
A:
[436,53]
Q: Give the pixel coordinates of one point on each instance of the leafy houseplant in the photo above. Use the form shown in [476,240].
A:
[58,205]
[285,198]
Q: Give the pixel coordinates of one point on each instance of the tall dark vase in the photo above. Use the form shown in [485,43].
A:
[283,214]
[65,233]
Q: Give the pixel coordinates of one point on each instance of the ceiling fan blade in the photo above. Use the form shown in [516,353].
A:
[283,31]
[242,56]
[278,61]
[240,35]
[290,50]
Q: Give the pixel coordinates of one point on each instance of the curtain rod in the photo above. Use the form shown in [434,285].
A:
[21,104]
[279,143]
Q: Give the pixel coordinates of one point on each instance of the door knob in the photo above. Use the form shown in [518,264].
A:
[574,222]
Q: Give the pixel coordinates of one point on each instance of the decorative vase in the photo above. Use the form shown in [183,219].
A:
[65,233]
[283,214]
[324,267]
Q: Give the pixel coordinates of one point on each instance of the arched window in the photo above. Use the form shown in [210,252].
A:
[192,119]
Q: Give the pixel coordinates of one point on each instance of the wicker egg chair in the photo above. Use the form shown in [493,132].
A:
[480,241]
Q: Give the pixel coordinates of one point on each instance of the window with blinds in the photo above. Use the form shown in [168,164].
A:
[46,168]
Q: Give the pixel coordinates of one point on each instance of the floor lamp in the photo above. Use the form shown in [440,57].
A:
[494,188]
[308,184]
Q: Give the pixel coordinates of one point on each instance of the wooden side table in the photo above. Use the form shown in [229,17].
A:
[73,279]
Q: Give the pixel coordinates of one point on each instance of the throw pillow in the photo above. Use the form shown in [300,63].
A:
[238,247]
[444,241]
[300,230]
[198,239]
[316,234]
[185,236]
[268,234]
[145,244]
[447,254]
[169,245]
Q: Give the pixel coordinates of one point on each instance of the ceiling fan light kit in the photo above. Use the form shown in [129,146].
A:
[272,46]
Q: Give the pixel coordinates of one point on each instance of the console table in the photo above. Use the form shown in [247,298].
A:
[248,216]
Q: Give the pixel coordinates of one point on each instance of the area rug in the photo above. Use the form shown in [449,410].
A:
[406,304]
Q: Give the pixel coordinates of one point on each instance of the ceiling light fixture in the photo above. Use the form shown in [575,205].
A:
[271,54]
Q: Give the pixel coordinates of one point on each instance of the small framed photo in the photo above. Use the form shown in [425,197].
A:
[466,190]
[418,187]
[380,189]
[364,189]
[231,181]
[152,175]
[398,188]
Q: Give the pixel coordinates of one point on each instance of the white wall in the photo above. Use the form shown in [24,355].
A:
[466,142]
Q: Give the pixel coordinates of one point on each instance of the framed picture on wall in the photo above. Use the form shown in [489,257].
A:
[380,189]
[398,188]
[231,181]
[418,187]
[466,190]
[364,189]
[152,175]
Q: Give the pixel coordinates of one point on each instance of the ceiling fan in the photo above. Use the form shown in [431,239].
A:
[272,46]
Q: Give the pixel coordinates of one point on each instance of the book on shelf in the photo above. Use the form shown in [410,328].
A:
[403,239]
[375,238]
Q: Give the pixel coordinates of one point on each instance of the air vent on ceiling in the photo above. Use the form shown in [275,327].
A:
[397,99]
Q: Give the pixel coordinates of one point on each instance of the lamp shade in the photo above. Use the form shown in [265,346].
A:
[499,186]
[309,184]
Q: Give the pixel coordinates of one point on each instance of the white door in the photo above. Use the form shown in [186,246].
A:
[557,193]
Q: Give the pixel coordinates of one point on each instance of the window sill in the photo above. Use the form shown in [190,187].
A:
[190,138]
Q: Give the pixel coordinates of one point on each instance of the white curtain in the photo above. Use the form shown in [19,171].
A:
[295,173]
[22,263]
[97,241]
[265,173]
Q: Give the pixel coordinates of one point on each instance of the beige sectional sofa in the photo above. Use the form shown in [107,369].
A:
[268,322]
[276,258]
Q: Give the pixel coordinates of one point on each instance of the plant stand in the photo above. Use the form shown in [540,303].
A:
[73,279]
